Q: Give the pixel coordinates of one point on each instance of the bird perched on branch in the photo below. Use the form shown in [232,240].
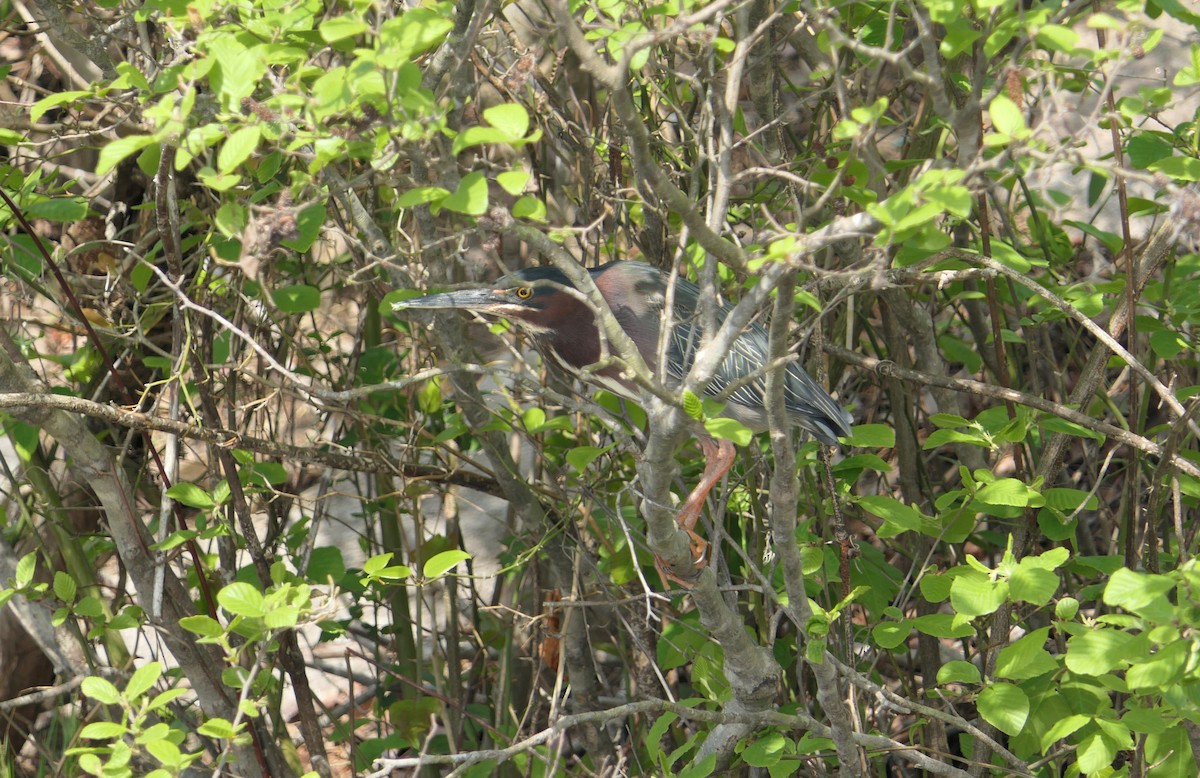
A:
[564,328]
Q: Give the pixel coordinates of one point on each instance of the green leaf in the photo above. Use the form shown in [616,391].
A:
[1033,584]
[513,181]
[1026,658]
[391,573]
[101,690]
[326,562]
[1065,499]
[112,154]
[332,93]
[297,298]
[1160,671]
[167,753]
[890,634]
[1095,753]
[471,197]
[25,570]
[765,750]
[941,625]
[377,563]
[935,587]
[1055,37]
[1005,707]
[1055,424]
[1007,117]
[958,671]
[202,625]
[308,224]
[949,437]
[238,148]
[232,219]
[680,642]
[89,607]
[510,118]
[341,27]
[23,437]
[1064,727]
[142,680]
[219,728]
[654,738]
[1147,720]
[533,419]
[1098,651]
[1142,593]
[39,109]
[103,730]
[242,599]
[1005,254]
[872,436]
[1170,752]
[1066,608]
[282,617]
[960,35]
[58,209]
[1146,148]
[429,398]
[897,517]
[438,564]
[693,406]
[976,594]
[192,496]
[477,136]
[729,429]
[165,698]
[64,587]
[1183,168]
[529,207]
[272,473]
[582,457]
[422,195]
[944,11]
[949,420]
[404,37]
[708,765]
[1179,11]
[1011,492]
[1167,344]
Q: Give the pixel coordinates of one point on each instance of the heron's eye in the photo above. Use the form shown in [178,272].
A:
[524,292]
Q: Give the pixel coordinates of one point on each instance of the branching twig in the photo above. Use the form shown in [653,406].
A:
[798,722]
[1119,434]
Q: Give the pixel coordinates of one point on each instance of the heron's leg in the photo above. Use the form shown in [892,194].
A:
[718,458]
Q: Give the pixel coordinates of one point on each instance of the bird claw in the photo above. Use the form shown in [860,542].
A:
[699,548]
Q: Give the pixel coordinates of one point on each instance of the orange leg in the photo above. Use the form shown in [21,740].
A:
[718,458]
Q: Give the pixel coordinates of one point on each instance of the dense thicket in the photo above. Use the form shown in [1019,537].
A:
[258,523]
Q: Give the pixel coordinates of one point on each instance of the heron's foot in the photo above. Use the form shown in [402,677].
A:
[687,579]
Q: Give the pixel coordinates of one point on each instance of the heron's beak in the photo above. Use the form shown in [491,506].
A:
[465,300]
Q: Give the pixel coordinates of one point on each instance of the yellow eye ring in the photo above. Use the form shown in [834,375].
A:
[524,292]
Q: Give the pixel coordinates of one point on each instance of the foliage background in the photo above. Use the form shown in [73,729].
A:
[258,524]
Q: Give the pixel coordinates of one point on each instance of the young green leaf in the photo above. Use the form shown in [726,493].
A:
[101,690]
[242,599]
[439,564]
[64,587]
[471,196]
[143,679]
[1005,707]
[297,298]
[191,495]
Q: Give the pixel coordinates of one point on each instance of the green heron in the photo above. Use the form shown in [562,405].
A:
[564,328]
